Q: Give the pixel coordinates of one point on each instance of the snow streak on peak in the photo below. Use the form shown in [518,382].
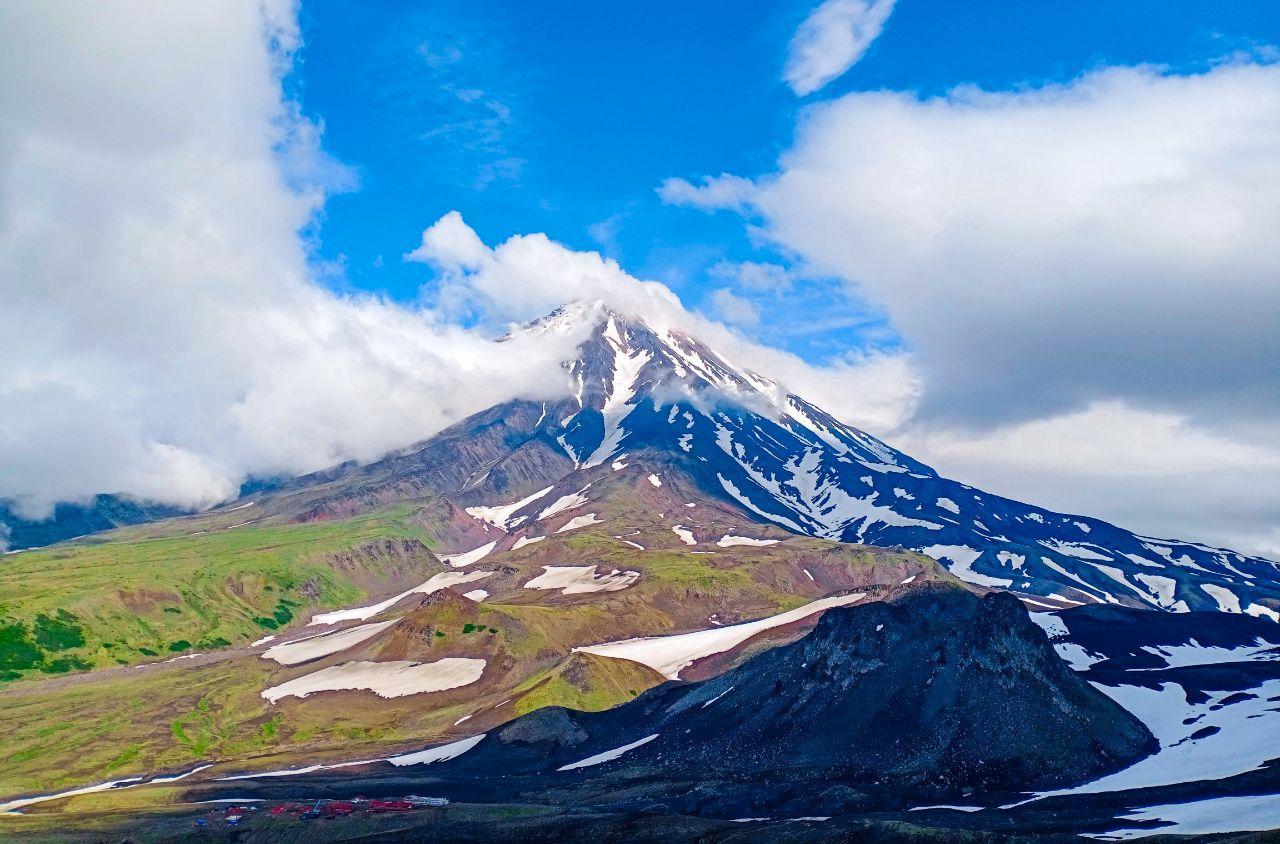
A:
[742,436]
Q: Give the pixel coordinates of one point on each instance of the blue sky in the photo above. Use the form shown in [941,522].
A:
[564,118]
[1031,244]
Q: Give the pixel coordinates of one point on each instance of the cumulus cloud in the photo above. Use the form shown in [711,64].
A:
[831,40]
[754,275]
[526,276]
[1084,274]
[161,332]
[733,308]
[718,193]
[1150,471]
[1112,238]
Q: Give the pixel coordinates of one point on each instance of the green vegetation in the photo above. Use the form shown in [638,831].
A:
[193,585]
[134,594]
[58,633]
[587,682]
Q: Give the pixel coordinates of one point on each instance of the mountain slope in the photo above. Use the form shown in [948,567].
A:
[745,439]
[937,691]
[69,520]
[937,688]
[670,400]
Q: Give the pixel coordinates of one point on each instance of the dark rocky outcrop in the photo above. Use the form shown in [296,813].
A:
[938,689]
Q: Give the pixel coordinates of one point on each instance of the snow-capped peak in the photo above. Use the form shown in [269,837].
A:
[637,387]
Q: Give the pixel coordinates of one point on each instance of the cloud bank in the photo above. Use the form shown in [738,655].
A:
[831,40]
[162,333]
[1108,239]
[1070,264]
[527,276]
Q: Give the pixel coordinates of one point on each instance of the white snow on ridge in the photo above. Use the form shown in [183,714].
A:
[572,580]
[564,502]
[396,678]
[1225,598]
[1071,653]
[1259,611]
[443,753]
[526,540]
[500,515]
[579,522]
[732,488]
[685,534]
[817,494]
[466,558]
[655,480]
[1164,589]
[626,371]
[437,582]
[1249,735]
[476,595]
[1074,549]
[315,647]
[1253,813]
[962,558]
[607,756]
[1089,589]
[948,504]
[669,655]
[729,540]
[12,806]
[1181,656]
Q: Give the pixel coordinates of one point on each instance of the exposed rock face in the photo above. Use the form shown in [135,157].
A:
[939,689]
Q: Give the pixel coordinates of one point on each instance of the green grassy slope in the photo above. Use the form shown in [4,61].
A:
[121,600]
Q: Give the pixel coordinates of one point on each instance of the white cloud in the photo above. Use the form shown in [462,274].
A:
[724,192]
[1112,238]
[451,242]
[831,40]
[733,308]
[161,333]
[528,275]
[754,275]
[1085,275]
[1150,472]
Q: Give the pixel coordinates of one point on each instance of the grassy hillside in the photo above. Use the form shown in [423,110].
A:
[128,597]
[212,584]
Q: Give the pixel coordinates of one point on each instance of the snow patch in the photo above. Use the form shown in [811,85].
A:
[961,559]
[685,534]
[443,753]
[315,647]
[385,679]
[579,522]
[607,756]
[437,582]
[729,540]
[669,655]
[500,515]
[466,558]
[572,580]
